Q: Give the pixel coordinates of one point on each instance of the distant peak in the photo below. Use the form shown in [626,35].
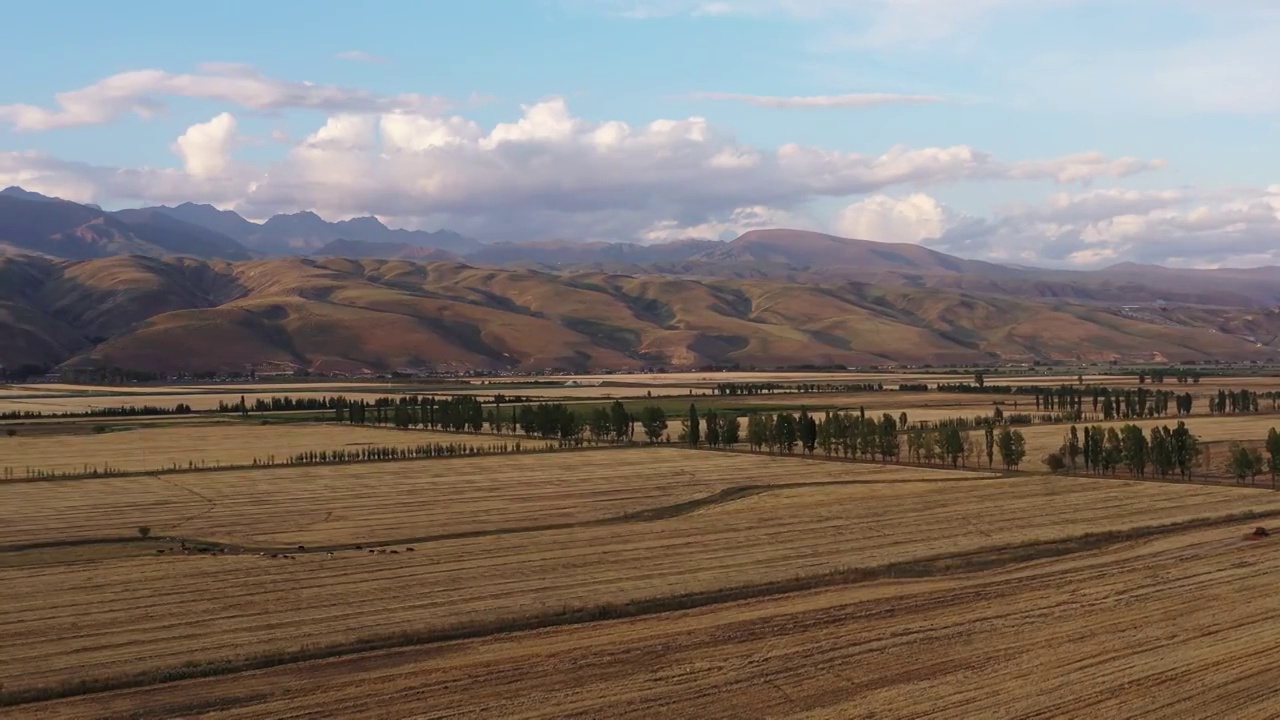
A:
[367,221]
[17,192]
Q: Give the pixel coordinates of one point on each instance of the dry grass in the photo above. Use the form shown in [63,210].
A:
[156,446]
[145,612]
[1180,626]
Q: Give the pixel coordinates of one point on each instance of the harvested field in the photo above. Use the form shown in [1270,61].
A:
[145,612]
[138,446]
[367,502]
[1180,626]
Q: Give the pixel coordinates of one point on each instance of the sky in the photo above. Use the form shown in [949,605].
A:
[1060,133]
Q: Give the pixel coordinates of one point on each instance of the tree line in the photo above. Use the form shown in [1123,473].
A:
[106,412]
[1103,451]
[1242,401]
[733,388]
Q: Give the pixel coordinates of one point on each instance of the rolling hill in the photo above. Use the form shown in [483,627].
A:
[353,315]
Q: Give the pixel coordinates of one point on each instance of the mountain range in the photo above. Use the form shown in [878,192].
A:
[196,288]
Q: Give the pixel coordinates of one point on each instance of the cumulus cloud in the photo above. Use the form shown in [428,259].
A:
[544,173]
[361,56]
[206,147]
[141,93]
[883,218]
[856,100]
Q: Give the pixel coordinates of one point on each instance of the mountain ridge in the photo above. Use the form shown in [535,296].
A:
[357,316]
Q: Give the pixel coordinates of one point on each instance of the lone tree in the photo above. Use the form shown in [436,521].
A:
[1013,448]
[144,532]
[654,422]
[1273,455]
[694,426]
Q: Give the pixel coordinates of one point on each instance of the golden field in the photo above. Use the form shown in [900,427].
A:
[129,609]
[367,502]
[1181,626]
[158,446]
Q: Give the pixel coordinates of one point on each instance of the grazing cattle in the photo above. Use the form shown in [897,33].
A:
[329,555]
[394,552]
[408,549]
[160,551]
[274,555]
[359,547]
[371,551]
[302,547]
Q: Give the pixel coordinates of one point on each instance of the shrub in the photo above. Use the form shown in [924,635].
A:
[144,532]
[11,432]
[1055,462]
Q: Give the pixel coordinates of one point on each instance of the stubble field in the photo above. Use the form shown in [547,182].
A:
[139,611]
[1142,623]
[1180,626]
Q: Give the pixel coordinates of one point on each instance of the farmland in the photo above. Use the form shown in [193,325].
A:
[104,625]
[726,583]
[137,446]
[1129,632]
[367,502]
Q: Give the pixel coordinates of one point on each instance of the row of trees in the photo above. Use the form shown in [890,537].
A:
[734,388]
[104,412]
[458,413]
[721,428]
[854,435]
[949,445]
[1246,462]
[1103,451]
[1243,401]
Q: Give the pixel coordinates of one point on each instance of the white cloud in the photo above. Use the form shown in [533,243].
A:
[361,56]
[886,219]
[1106,226]
[206,147]
[546,173]
[736,222]
[856,100]
[140,93]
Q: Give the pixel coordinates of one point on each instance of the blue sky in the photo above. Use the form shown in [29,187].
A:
[1163,114]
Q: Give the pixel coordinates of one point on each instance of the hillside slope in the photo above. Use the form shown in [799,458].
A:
[357,315]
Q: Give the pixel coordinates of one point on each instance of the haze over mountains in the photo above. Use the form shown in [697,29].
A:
[195,288]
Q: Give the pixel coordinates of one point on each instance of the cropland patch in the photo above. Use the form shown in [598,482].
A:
[143,613]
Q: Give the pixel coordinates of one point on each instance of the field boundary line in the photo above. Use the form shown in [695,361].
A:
[982,559]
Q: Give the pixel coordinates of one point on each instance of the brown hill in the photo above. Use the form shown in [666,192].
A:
[356,315]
